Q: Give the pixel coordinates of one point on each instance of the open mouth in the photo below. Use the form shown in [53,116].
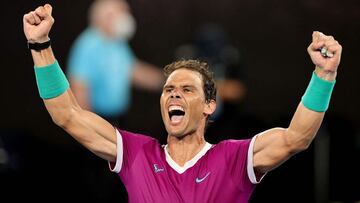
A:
[176,114]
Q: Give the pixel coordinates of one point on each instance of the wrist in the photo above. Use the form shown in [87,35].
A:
[51,80]
[325,74]
[318,93]
[43,57]
[39,40]
[38,46]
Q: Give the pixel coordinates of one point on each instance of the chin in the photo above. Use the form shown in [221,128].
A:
[180,133]
[175,133]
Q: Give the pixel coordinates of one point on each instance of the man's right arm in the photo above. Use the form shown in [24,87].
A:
[90,130]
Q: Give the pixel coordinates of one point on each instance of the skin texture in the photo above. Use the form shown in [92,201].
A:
[183,88]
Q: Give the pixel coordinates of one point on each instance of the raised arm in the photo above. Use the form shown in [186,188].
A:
[90,130]
[276,145]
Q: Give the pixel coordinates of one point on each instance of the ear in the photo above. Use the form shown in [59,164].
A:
[210,107]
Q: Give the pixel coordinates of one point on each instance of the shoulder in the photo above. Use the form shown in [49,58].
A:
[229,148]
[127,135]
[88,38]
[232,143]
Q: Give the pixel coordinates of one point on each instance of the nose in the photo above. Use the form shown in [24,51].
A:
[175,94]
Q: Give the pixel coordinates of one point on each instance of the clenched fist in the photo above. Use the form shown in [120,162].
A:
[329,63]
[38,23]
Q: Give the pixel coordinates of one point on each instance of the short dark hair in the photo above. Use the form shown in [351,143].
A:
[209,85]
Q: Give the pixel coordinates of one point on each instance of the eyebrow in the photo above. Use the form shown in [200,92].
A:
[168,86]
[188,86]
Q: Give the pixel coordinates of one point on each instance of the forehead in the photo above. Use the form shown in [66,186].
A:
[184,76]
[113,6]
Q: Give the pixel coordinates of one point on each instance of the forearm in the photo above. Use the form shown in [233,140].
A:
[81,93]
[43,58]
[89,129]
[61,107]
[306,122]
[303,127]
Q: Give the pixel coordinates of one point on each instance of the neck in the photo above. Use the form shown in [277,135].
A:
[103,30]
[184,149]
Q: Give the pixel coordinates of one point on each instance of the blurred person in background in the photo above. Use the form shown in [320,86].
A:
[187,168]
[102,66]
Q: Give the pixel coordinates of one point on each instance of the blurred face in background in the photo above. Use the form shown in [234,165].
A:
[113,18]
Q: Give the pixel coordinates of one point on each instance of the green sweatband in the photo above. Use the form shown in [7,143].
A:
[318,93]
[51,80]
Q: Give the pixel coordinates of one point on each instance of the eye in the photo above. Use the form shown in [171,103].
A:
[167,90]
[187,90]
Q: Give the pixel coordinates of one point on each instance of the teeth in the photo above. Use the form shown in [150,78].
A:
[171,108]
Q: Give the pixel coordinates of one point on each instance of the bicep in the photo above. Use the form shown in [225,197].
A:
[271,149]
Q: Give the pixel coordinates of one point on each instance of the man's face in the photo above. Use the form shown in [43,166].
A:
[182,102]
[116,20]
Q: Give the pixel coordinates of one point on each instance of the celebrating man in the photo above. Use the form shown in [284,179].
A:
[187,169]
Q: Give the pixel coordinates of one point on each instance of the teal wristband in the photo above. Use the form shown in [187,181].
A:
[51,80]
[318,93]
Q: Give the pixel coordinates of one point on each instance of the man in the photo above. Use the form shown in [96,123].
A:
[187,169]
[102,65]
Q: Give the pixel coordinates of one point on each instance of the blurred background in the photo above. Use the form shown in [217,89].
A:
[258,51]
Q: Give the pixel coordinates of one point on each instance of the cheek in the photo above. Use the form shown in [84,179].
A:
[162,107]
[162,100]
[197,110]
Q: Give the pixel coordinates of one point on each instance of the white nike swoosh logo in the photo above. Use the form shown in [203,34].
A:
[197,180]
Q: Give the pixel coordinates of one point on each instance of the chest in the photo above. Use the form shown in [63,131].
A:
[203,182]
[112,59]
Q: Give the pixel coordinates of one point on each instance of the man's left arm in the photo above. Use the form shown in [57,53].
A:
[276,145]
